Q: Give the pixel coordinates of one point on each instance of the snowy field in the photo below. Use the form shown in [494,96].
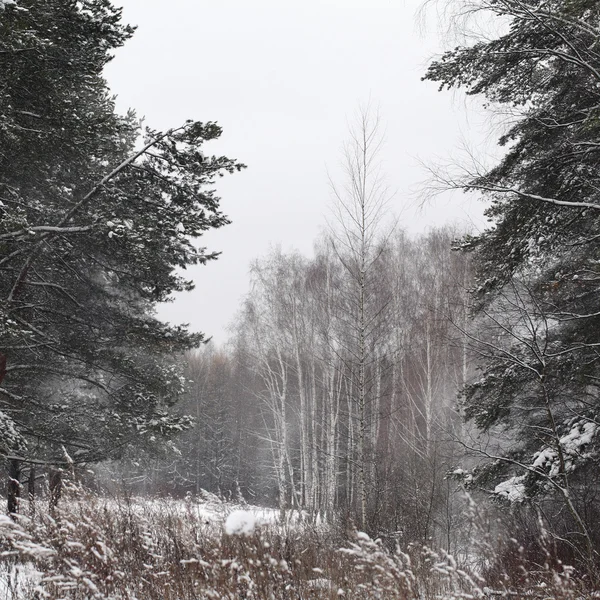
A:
[213,514]
[29,546]
[94,548]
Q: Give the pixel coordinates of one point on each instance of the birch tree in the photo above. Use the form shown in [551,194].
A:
[359,205]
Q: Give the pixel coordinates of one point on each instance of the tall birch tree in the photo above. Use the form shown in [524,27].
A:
[359,205]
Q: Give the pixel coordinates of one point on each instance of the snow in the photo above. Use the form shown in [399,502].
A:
[574,446]
[18,580]
[240,522]
[207,508]
[10,438]
[461,474]
[512,489]
[580,435]
[547,455]
[322,583]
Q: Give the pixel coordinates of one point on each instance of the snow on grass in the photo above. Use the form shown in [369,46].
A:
[18,580]
[93,548]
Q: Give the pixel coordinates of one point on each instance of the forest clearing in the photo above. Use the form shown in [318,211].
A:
[393,411]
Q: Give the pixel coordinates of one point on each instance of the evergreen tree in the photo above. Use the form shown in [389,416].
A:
[538,264]
[94,224]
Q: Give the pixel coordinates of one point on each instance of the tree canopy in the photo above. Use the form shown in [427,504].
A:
[98,218]
[537,266]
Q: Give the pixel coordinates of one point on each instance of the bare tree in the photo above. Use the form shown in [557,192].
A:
[359,208]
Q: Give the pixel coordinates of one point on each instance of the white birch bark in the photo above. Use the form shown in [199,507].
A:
[359,210]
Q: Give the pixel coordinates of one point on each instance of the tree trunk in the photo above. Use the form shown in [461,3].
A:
[305,459]
[14,486]
[31,490]
[55,486]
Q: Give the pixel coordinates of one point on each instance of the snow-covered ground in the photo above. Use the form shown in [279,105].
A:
[94,548]
[208,515]
[212,512]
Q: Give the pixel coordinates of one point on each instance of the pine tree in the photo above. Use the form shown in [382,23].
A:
[538,264]
[95,222]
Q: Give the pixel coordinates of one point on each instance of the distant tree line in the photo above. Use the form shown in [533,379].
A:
[278,415]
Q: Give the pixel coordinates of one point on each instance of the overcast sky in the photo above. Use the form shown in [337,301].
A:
[283,78]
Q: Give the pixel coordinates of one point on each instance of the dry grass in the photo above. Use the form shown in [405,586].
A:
[90,548]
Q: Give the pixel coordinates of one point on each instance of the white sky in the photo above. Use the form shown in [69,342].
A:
[283,78]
